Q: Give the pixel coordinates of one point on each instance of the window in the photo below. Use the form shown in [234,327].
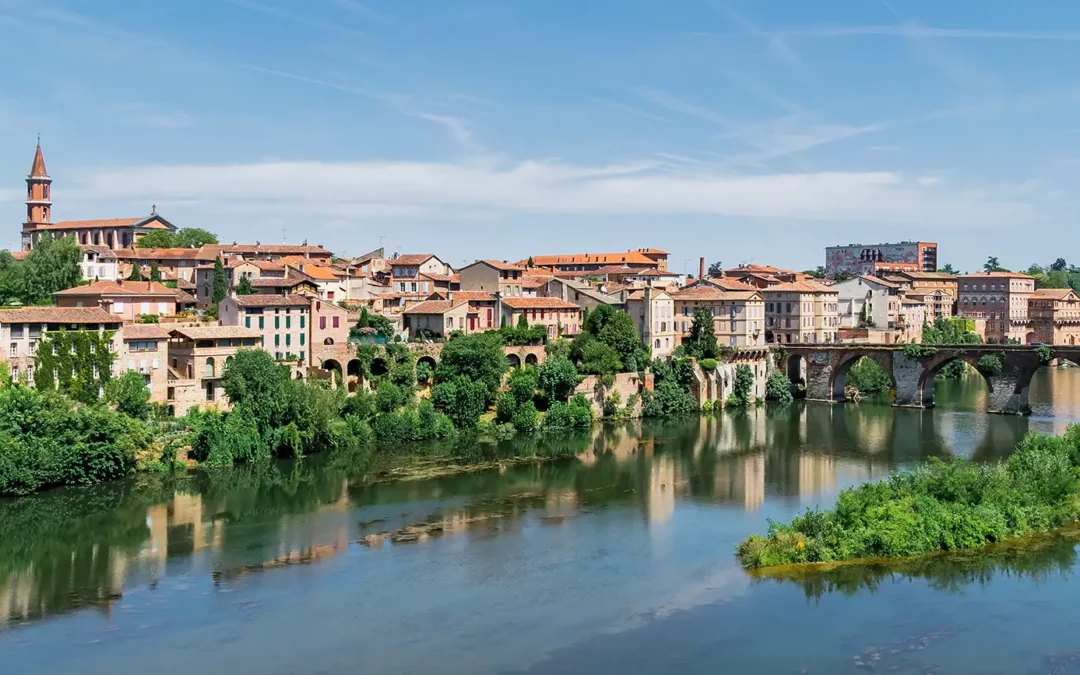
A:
[330,294]
[144,308]
[247,322]
[302,317]
[260,322]
[277,322]
[14,349]
[322,323]
[288,339]
[277,340]
[301,339]
[118,307]
[301,352]
[337,322]
[288,322]
[163,308]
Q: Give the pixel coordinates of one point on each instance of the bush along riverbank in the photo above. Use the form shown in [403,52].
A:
[69,432]
[940,506]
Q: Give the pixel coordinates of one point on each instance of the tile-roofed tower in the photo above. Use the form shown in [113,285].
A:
[38,192]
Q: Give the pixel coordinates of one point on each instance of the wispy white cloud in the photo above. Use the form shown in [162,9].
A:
[311,80]
[918,31]
[436,190]
[666,100]
[458,127]
[776,42]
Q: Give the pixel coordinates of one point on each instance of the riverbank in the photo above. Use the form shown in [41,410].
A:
[940,506]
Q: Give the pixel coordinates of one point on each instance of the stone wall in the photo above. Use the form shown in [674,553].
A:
[719,384]
[626,384]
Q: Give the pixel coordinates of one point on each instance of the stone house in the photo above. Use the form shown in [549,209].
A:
[436,318]
[197,358]
[868,302]
[483,309]
[556,315]
[653,311]
[145,349]
[1001,299]
[738,316]
[801,312]
[21,331]
[99,264]
[1055,317]
[492,276]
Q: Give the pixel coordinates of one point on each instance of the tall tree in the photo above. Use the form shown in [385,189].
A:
[244,287]
[716,269]
[947,268]
[1059,265]
[136,273]
[157,239]
[991,265]
[195,237]
[53,265]
[155,272]
[701,343]
[221,287]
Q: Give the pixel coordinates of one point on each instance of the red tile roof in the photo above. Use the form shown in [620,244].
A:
[705,292]
[635,257]
[279,282]
[799,287]
[267,300]
[321,273]
[538,303]
[180,253]
[998,275]
[501,265]
[412,259]
[473,296]
[89,224]
[534,282]
[1053,293]
[143,332]
[213,331]
[62,315]
[434,306]
[123,287]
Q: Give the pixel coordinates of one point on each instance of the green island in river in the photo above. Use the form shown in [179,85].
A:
[940,506]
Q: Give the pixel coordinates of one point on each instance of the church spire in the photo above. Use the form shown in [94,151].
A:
[38,191]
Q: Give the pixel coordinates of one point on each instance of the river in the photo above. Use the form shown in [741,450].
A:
[619,561]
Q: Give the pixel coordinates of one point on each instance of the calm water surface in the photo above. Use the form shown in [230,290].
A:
[620,561]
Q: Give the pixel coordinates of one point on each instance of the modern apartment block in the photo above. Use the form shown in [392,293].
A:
[801,312]
[873,259]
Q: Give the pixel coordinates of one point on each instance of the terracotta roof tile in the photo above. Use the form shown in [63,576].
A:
[37,170]
[412,259]
[538,303]
[103,288]
[635,257]
[997,275]
[473,296]
[267,300]
[143,332]
[90,224]
[321,273]
[211,332]
[1053,293]
[501,265]
[434,306]
[62,315]
[705,292]
[158,254]
[799,287]
[279,282]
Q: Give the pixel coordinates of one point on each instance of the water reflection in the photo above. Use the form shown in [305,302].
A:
[74,548]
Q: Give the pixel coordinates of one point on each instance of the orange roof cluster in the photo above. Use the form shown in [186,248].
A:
[412,259]
[1053,293]
[706,292]
[996,275]
[799,287]
[473,296]
[635,257]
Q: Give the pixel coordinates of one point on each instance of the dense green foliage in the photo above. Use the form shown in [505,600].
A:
[671,395]
[609,343]
[939,506]
[221,287]
[129,394]
[77,363]
[155,272]
[48,440]
[701,343]
[185,237]
[577,413]
[990,365]
[478,357]
[868,377]
[462,398]
[778,388]
[557,377]
[379,323]
[742,387]
[244,287]
[52,265]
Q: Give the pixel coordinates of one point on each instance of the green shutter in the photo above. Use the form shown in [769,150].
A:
[247,321]
[260,322]
[301,339]
[277,340]
[288,339]
[301,321]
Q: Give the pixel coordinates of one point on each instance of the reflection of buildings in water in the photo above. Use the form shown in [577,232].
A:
[869,427]
[741,479]
[660,500]
[560,503]
[817,473]
[742,431]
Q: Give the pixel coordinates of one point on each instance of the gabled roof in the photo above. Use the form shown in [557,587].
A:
[122,287]
[436,277]
[268,300]
[1054,294]
[635,257]
[320,273]
[434,306]
[705,293]
[472,296]
[722,283]
[61,315]
[501,265]
[995,275]
[799,287]
[179,253]
[534,282]
[153,220]
[103,252]
[538,303]
[266,249]
[280,282]
[412,259]
[143,332]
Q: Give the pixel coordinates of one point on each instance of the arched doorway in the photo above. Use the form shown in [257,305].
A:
[531,360]
[379,367]
[514,360]
[425,369]
[334,368]
[796,372]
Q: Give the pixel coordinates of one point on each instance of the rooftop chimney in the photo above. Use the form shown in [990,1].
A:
[701,267]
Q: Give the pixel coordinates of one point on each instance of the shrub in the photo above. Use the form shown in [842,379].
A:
[463,399]
[424,372]
[742,387]
[938,506]
[708,365]
[389,397]
[611,404]
[990,365]
[505,407]
[522,384]
[148,318]
[574,415]
[1046,355]
[526,418]
[915,350]
[557,377]
[129,394]
[778,388]
[868,377]
[668,400]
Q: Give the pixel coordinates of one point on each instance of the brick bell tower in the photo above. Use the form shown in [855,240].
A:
[38,193]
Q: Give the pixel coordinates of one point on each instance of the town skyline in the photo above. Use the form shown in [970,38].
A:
[694,131]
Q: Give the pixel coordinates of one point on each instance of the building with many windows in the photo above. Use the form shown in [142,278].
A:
[802,312]
[281,320]
[653,310]
[878,259]
[198,355]
[999,298]
[1055,316]
[557,316]
[21,331]
[738,316]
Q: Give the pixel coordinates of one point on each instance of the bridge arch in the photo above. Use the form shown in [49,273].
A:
[840,372]
[928,377]
[796,372]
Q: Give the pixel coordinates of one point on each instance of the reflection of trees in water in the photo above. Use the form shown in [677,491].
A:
[1036,558]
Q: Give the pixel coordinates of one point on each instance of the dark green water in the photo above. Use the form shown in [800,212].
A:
[620,561]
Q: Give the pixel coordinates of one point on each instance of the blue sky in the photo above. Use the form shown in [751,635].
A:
[738,130]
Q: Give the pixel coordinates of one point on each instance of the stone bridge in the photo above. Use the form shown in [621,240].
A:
[823,370]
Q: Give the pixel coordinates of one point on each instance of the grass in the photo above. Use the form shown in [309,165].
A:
[941,506]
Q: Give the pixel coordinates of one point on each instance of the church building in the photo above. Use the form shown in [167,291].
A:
[115,233]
